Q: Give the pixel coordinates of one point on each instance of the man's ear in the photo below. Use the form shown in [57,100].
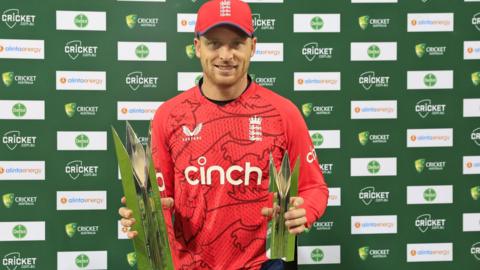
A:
[254,46]
[196,43]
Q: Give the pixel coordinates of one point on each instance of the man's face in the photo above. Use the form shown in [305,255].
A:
[225,53]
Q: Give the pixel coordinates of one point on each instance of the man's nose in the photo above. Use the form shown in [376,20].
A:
[226,53]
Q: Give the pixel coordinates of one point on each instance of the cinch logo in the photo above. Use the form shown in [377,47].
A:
[262,24]
[422,49]
[142,51]
[421,164]
[81,21]
[82,141]
[192,135]
[10,199]
[365,137]
[476,78]
[12,17]
[19,110]
[264,81]
[475,192]
[71,109]
[475,250]
[317,255]
[365,252]
[75,48]
[365,21]
[9,78]
[425,107]
[136,79]
[14,260]
[368,195]
[13,138]
[368,79]
[317,139]
[203,175]
[312,50]
[425,222]
[134,20]
[82,261]
[76,168]
[308,108]
[316,23]
[71,229]
[476,20]
[373,51]
[190,51]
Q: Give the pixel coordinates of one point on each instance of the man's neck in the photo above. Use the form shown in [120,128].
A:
[218,92]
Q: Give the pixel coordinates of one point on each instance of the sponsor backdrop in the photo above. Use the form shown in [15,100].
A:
[390,90]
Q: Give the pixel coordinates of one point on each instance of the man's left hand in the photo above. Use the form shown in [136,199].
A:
[295,217]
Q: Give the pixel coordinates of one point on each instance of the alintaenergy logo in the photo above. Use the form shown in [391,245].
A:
[429,195]
[82,261]
[316,23]
[82,141]
[19,110]
[19,231]
[373,51]
[81,20]
[317,255]
[142,51]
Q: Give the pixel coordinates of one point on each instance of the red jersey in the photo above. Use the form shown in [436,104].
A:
[214,162]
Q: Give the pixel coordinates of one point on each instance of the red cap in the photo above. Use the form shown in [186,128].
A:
[224,12]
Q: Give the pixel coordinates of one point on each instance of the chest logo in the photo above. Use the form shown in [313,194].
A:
[192,135]
[255,128]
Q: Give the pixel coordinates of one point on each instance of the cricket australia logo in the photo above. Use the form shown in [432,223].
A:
[192,135]
[255,129]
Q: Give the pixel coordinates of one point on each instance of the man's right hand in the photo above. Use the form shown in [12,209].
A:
[127,220]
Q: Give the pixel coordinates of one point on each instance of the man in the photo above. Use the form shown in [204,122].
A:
[212,145]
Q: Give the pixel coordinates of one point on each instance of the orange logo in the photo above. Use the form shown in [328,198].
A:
[414,22]
[469,164]
[470,50]
[124,110]
[300,81]
[125,229]
[2,170]
[357,225]
[63,80]
[413,252]
[184,22]
[1,48]
[63,200]
[413,138]
[357,109]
